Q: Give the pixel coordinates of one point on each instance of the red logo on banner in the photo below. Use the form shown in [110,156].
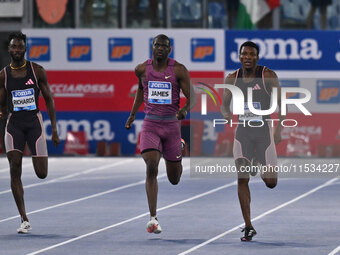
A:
[76,143]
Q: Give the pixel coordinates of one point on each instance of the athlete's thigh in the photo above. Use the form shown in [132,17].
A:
[265,150]
[35,137]
[242,166]
[151,158]
[174,171]
[149,137]
[172,147]
[40,165]
[14,135]
[243,145]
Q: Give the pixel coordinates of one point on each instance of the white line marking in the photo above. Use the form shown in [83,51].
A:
[71,175]
[24,165]
[260,216]
[335,251]
[87,197]
[134,218]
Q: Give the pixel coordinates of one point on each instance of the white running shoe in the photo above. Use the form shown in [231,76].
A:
[153,226]
[25,227]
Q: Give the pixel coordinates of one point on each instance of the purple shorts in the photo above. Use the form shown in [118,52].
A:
[164,136]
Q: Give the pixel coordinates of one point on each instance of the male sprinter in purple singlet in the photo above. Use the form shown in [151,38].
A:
[160,81]
[253,140]
[20,85]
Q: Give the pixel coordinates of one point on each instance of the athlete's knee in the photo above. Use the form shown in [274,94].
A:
[270,183]
[14,166]
[174,180]
[42,174]
[151,169]
[174,171]
[242,181]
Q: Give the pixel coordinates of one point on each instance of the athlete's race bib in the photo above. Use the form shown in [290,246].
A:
[159,92]
[248,115]
[23,100]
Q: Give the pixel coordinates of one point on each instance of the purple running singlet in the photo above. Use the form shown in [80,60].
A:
[161,130]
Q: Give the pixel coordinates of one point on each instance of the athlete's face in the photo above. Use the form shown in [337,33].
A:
[248,57]
[17,49]
[161,49]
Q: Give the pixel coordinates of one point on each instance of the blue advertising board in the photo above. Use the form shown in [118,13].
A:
[287,50]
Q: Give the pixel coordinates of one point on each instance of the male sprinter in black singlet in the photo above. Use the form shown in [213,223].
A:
[20,85]
[253,139]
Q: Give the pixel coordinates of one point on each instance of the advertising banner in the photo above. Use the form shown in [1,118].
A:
[91,74]
[115,49]
[287,50]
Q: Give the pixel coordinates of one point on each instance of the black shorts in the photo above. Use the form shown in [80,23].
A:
[255,142]
[26,127]
[319,3]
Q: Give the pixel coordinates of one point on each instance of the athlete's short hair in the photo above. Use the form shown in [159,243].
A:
[16,35]
[250,44]
[161,36]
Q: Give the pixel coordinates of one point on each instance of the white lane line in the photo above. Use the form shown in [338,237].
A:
[260,216]
[87,197]
[134,218]
[72,175]
[6,169]
[335,251]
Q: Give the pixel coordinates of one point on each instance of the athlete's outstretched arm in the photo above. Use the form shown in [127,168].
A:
[227,96]
[140,73]
[47,94]
[274,83]
[2,94]
[183,78]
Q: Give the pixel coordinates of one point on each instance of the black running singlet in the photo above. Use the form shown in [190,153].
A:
[22,93]
[261,96]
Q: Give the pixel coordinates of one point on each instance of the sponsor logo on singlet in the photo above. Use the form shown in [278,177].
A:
[159,92]
[23,100]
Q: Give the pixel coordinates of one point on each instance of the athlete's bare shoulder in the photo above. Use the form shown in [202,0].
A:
[39,70]
[140,69]
[180,69]
[230,79]
[268,73]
